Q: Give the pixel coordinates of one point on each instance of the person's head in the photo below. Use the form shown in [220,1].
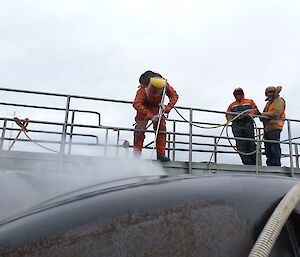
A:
[145,77]
[271,92]
[238,94]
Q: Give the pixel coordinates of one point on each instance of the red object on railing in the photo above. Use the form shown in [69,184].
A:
[23,125]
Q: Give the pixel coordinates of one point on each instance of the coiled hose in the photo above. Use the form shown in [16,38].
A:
[272,229]
[225,125]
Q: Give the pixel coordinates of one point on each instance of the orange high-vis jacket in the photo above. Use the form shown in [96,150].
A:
[242,105]
[146,103]
[274,109]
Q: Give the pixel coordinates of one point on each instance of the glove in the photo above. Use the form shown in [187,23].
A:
[155,117]
[168,108]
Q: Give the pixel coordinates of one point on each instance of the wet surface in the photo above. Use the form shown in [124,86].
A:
[184,231]
[198,216]
[41,181]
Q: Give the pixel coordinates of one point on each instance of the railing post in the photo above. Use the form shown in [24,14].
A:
[71,131]
[174,129]
[259,154]
[191,143]
[297,155]
[290,147]
[169,145]
[64,130]
[106,140]
[118,141]
[215,149]
[3,133]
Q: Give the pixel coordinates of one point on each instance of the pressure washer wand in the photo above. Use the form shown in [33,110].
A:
[161,112]
[154,118]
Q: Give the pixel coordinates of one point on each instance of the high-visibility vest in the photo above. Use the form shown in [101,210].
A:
[279,122]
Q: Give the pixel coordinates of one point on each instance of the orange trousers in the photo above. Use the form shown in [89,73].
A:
[140,136]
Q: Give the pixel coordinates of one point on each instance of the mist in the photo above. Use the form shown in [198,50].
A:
[42,180]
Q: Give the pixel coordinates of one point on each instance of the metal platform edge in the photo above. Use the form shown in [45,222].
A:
[16,160]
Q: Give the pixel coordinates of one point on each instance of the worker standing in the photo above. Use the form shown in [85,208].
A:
[243,125]
[275,109]
[147,103]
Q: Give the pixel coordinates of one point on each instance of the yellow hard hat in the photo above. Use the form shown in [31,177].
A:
[158,82]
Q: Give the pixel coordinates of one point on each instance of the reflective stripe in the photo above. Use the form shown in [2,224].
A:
[278,122]
[282,115]
[240,108]
[240,105]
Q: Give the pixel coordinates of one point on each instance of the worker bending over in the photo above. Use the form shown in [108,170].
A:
[147,103]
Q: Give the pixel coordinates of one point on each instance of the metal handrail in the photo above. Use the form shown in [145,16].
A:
[54,132]
[53,108]
[64,95]
[65,125]
[151,131]
[123,101]
[140,130]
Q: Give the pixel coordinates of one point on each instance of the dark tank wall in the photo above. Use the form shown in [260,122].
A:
[218,215]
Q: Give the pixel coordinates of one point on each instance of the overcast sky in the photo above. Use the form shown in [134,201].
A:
[204,48]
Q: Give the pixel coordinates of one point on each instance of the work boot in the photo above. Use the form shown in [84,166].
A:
[163,158]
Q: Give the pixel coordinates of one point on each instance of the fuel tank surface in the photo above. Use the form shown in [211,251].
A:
[207,215]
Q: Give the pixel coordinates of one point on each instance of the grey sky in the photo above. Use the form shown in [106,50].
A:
[204,48]
[101,47]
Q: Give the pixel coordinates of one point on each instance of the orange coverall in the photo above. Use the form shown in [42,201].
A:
[145,104]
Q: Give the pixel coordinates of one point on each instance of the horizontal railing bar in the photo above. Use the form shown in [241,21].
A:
[120,146]
[53,132]
[48,141]
[203,151]
[233,113]
[294,138]
[203,123]
[52,108]
[120,101]
[203,144]
[65,95]
[152,131]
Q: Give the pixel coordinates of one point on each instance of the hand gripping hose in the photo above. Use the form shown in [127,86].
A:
[272,229]
[225,125]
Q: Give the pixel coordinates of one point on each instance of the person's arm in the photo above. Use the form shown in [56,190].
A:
[279,106]
[171,93]
[139,101]
[254,108]
[229,116]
